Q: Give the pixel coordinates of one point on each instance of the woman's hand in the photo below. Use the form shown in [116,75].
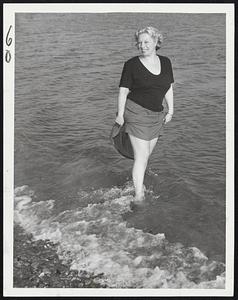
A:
[168,118]
[119,120]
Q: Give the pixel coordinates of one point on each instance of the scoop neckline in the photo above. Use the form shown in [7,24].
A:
[148,69]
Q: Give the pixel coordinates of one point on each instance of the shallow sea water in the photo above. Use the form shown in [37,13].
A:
[68,68]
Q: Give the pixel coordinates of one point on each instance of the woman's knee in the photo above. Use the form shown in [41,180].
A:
[142,156]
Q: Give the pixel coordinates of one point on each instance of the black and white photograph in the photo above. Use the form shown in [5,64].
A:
[118,149]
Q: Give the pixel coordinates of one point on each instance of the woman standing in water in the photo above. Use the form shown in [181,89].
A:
[145,81]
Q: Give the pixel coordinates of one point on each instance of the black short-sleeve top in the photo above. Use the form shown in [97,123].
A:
[146,88]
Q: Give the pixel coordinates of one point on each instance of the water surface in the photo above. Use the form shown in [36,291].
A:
[67,73]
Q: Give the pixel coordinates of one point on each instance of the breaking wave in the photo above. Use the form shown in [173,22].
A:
[96,239]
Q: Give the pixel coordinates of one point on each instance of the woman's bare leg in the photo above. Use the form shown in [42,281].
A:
[141,150]
[152,144]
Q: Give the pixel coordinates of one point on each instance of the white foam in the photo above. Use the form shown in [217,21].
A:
[97,239]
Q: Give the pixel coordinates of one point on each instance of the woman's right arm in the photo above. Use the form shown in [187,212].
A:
[122,96]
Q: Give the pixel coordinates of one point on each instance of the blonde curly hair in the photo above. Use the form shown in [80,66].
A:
[153,32]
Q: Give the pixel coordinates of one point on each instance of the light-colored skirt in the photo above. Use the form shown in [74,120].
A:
[141,122]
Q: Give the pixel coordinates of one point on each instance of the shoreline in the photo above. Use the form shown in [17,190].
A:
[51,252]
[37,264]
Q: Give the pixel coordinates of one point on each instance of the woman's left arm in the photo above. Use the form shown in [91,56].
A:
[169,97]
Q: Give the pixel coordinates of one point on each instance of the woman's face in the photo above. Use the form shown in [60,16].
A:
[146,44]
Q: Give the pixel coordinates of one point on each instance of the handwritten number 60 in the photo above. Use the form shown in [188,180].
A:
[8,56]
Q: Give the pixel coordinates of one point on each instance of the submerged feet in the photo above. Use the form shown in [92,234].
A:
[140,196]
